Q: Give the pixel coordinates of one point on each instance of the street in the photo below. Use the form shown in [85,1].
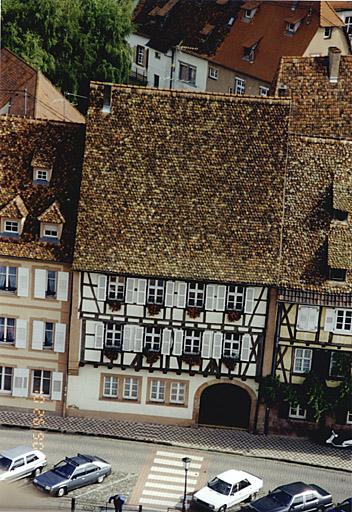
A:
[149,474]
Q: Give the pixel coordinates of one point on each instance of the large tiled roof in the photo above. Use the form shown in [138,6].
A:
[20,140]
[200,25]
[182,184]
[268,30]
[319,107]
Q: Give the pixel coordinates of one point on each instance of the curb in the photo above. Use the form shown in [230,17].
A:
[176,444]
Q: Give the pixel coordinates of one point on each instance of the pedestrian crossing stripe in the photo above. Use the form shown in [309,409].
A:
[177,455]
[158,485]
[148,501]
[175,479]
[179,463]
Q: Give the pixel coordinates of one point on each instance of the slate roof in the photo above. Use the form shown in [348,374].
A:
[171,22]
[206,187]
[19,141]
[319,107]
[268,28]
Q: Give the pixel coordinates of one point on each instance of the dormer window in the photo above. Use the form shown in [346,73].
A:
[50,231]
[337,274]
[340,215]
[249,13]
[249,52]
[293,27]
[231,21]
[327,32]
[41,176]
[51,224]
[12,217]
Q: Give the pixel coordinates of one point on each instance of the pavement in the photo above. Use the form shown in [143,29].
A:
[288,449]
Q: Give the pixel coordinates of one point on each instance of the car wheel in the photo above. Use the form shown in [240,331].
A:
[222,509]
[61,492]
[252,496]
[36,472]
[101,479]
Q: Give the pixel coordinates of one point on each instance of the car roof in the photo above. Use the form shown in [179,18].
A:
[79,460]
[295,488]
[233,475]
[11,453]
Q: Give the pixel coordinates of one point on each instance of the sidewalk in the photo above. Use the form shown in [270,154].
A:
[297,450]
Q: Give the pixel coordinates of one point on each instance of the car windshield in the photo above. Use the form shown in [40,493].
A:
[281,497]
[5,463]
[220,486]
[345,507]
[64,469]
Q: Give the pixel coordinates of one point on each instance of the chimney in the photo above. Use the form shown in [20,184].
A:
[107,99]
[334,64]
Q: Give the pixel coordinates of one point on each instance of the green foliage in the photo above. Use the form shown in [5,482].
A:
[71,41]
[270,388]
[316,396]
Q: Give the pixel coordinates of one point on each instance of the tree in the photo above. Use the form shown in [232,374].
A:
[71,41]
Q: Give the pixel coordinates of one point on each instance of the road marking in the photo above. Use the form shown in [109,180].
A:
[178,455]
[174,471]
[159,485]
[157,502]
[167,478]
[109,482]
[178,463]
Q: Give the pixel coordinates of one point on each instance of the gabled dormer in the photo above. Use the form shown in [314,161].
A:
[293,22]
[42,168]
[249,9]
[12,217]
[51,223]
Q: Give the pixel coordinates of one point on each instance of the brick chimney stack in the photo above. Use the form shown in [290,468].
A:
[334,55]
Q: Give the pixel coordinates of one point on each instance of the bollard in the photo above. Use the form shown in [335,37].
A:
[140,508]
[73,504]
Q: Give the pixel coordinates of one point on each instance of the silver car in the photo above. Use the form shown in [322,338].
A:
[19,462]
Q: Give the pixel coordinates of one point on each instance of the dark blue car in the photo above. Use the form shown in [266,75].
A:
[345,506]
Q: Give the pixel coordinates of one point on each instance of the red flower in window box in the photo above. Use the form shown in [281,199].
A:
[233,316]
[194,312]
[111,353]
[115,305]
[151,356]
[153,309]
[192,359]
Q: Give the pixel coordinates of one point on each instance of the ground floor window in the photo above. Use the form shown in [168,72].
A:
[157,391]
[110,386]
[41,380]
[130,388]
[167,391]
[297,412]
[349,418]
[5,378]
[177,393]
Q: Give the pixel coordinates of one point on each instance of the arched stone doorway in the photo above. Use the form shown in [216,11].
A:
[226,405]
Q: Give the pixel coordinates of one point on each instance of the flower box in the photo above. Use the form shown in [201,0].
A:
[115,305]
[233,316]
[153,309]
[193,312]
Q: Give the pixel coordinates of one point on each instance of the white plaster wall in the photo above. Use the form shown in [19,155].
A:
[201,75]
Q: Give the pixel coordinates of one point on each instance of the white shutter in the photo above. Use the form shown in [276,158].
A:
[329,320]
[99,335]
[217,345]
[21,333]
[169,294]
[207,344]
[62,286]
[307,318]
[20,382]
[38,335]
[181,289]
[178,342]
[210,297]
[246,347]
[302,318]
[138,338]
[56,385]
[128,335]
[249,304]
[101,293]
[141,291]
[22,281]
[313,318]
[220,297]
[166,343]
[39,283]
[130,290]
[60,338]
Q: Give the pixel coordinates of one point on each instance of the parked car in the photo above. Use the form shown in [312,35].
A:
[19,462]
[226,490]
[297,496]
[71,473]
[345,506]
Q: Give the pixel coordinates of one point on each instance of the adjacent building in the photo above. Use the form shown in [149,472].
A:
[40,175]
[228,46]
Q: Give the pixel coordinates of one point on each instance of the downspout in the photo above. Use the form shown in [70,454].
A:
[172,71]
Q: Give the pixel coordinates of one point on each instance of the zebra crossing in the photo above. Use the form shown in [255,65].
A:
[164,485]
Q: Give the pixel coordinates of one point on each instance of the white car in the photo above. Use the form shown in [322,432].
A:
[19,462]
[226,490]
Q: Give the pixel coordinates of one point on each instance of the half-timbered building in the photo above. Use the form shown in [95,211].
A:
[40,175]
[175,255]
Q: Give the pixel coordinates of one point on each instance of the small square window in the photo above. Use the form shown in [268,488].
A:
[327,32]
[41,174]
[337,274]
[297,412]
[213,73]
[11,226]
[349,418]
[157,55]
[50,231]
[263,91]
[292,27]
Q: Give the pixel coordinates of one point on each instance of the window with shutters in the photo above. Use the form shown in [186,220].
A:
[303,360]
[49,335]
[152,339]
[140,55]
[297,412]
[177,392]
[110,386]
[113,335]
[231,346]
[51,283]
[41,380]
[343,320]
[187,73]
[8,279]
[192,342]
[235,298]
[116,288]
[195,298]
[130,388]
[7,330]
[5,379]
[155,293]
[157,391]
[308,318]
